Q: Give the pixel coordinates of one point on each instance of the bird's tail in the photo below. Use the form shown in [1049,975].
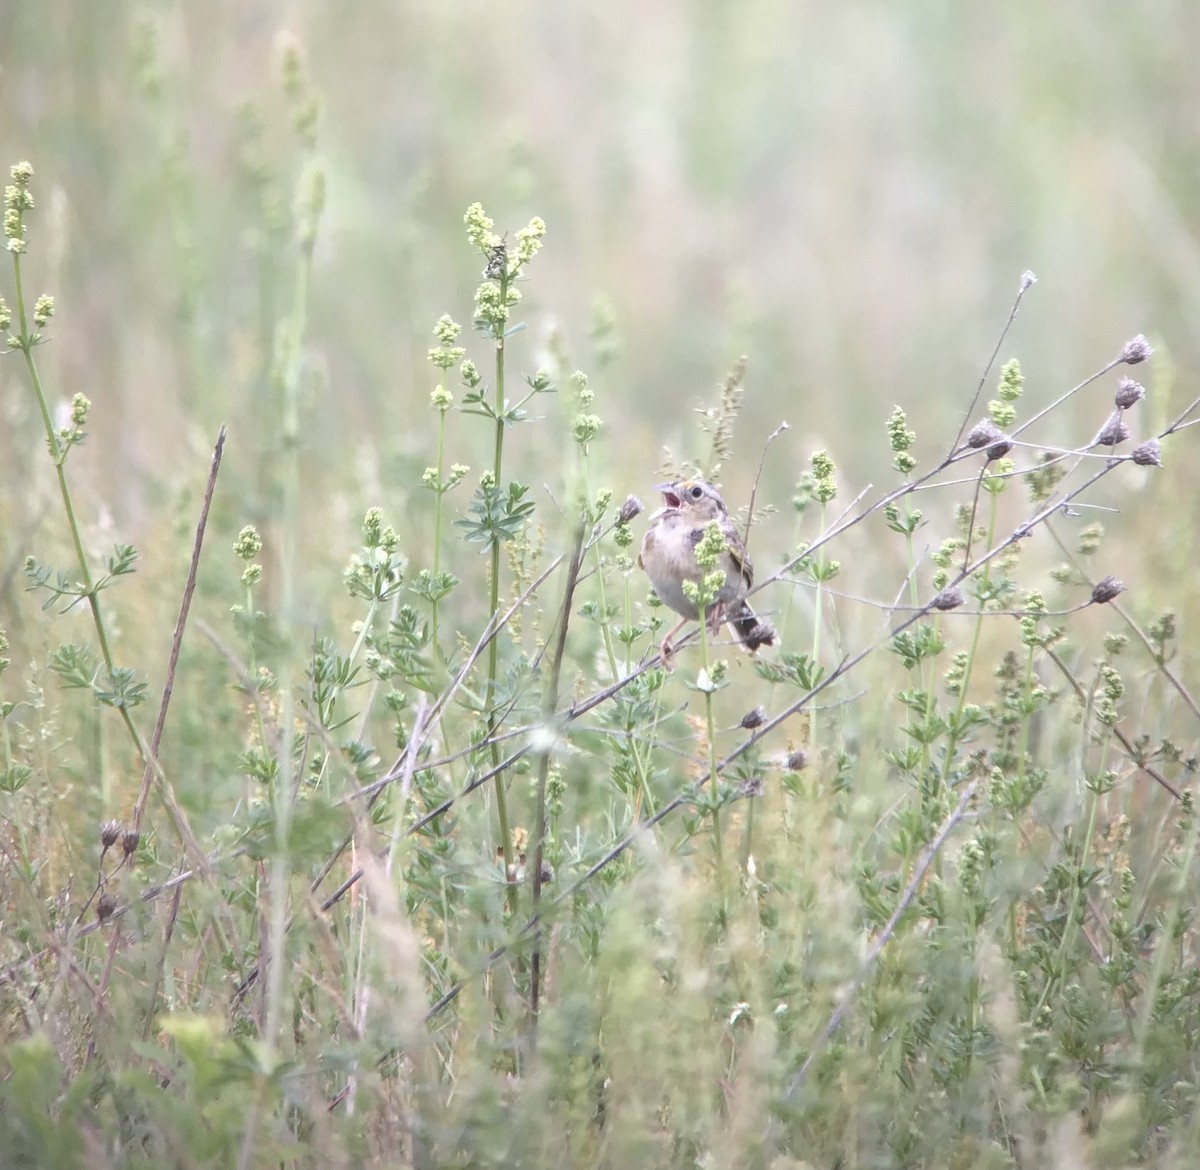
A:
[752,631]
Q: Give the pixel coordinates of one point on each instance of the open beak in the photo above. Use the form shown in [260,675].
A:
[670,495]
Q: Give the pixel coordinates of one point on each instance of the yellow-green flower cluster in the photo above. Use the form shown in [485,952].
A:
[711,545]
[1113,690]
[376,534]
[1001,409]
[529,240]
[586,425]
[312,204]
[901,438]
[479,228]
[943,557]
[492,306]
[306,105]
[996,475]
[247,546]
[708,552]
[469,374]
[430,480]
[441,398]
[17,201]
[446,354]
[823,470]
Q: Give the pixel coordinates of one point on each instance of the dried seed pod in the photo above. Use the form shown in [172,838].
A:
[1113,432]
[1136,349]
[1147,454]
[1129,393]
[950,598]
[753,719]
[983,434]
[1107,590]
[629,509]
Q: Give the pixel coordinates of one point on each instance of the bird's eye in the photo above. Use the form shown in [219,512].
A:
[696,492]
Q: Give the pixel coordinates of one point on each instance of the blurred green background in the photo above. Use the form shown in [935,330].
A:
[847,192]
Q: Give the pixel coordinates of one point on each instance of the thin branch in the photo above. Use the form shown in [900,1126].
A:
[885,935]
[177,640]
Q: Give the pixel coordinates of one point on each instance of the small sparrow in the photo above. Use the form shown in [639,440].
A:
[668,557]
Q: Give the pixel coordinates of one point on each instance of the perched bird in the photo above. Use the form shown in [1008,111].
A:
[668,557]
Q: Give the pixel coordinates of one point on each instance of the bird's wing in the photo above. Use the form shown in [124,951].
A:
[737,550]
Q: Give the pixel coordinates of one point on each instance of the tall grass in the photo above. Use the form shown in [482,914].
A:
[361,824]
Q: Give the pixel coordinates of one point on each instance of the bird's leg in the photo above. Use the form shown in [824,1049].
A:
[716,618]
[666,649]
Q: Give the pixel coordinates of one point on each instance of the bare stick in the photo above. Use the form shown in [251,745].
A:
[885,935]
[1028,280]
[177,640]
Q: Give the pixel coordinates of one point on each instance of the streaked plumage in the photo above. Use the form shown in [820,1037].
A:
[668,558]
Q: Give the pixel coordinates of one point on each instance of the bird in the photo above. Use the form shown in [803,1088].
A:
[668,558]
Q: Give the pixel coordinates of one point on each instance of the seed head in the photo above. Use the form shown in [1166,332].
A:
[983,434]
[1107,590]
[950,598]
[109,832]
[1128,393]
[753,719]
[1148,454]
[998,450]
[129,841]
[105,907]
[796,761]
[1136,349]
[1114,431]
[631,508]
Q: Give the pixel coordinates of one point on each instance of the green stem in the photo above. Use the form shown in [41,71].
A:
[818,617]
[437,526]
[718,851]
[494,602]
[25,343]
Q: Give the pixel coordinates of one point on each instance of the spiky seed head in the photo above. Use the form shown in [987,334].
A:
[983,434]
[129,842]
[753,719]
[998,450]
[105,907]
[1128,393]
[1107,590]
[796,761]
[1148,454]
[1136,349]
[632,507]
[950,598]
[109,832]
[1113,432]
